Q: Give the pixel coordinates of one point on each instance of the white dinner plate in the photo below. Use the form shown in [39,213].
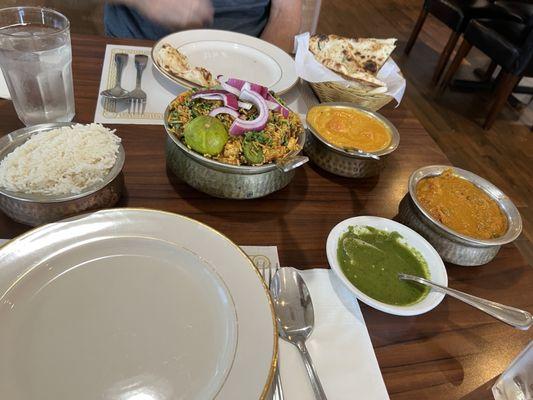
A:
[437,270]
[233,55]
[132,304]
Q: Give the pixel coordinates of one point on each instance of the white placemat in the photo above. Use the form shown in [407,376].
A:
[160,91]
[339,345]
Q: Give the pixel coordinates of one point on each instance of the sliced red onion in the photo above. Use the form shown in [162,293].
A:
[240,126]
[246,106]
[229,99]
[234,85]
[230,89]
[277,106]
[223,110]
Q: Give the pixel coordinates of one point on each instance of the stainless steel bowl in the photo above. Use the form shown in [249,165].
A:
[338,161]
[451,245]
[38,209]
[225,180]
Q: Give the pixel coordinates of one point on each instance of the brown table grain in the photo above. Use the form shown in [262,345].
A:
[452,352]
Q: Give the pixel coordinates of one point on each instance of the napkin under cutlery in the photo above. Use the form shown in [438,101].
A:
[340,345]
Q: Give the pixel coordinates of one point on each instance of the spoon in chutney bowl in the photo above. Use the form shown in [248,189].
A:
[512,316]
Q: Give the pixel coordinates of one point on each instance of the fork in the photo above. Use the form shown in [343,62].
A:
[137,97]
[268,274]
[117,92]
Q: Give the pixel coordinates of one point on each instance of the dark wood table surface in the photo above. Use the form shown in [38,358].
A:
[452,352]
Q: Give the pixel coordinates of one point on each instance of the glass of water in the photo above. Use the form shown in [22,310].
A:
[36,59]
[516,382]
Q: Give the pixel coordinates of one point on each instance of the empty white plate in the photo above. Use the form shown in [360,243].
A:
[132,305]
[233,55]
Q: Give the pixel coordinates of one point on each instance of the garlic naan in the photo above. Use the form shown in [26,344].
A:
[355,59]
[177,64]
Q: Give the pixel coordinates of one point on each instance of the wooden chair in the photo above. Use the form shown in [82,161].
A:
[509,45]
[455,14]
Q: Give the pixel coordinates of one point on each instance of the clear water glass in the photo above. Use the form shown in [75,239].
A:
[516,382]
[36,60]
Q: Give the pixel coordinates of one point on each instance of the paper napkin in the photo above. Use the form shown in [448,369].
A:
[339,345]
[309,69]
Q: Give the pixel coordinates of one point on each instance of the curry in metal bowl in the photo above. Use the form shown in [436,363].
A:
[460,205]
[349,128]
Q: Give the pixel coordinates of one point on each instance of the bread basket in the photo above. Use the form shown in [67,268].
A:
[335,92]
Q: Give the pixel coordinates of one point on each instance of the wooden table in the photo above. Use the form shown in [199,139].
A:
[452,352]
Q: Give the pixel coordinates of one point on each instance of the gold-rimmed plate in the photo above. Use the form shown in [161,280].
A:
[233,55]
[129,302]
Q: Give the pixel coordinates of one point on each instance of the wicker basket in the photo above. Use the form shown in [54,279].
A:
[331,91]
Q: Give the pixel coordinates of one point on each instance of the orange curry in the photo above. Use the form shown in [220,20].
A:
[461,206]
[349,128]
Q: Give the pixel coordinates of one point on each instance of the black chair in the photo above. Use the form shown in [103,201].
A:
[455,14]
[509,45]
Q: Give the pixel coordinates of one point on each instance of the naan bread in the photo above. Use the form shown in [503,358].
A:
[355,59]
[177,64]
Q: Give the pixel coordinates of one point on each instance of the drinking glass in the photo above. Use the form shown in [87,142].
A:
[36,59]
[516,382]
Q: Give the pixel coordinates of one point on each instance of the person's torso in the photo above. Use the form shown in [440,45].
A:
[243,16]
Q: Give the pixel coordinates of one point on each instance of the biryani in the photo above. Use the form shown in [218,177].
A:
[244,126]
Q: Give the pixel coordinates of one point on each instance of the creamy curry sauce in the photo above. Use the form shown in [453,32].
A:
[349,128]
[461,206]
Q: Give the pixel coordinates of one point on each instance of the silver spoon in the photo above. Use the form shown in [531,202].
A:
[513,316]
[117,92]
[361,153]
[295,317]
[289,163]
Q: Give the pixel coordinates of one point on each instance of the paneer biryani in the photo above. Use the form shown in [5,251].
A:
[241,124]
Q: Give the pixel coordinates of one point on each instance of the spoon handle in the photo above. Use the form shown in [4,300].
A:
[315,382]
[513,316]
[120,61]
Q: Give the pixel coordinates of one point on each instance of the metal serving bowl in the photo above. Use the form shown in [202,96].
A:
[225,180]
[38,209]
[337,160]
[451,245]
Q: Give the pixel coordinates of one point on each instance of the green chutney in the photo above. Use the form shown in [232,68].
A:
[371,260]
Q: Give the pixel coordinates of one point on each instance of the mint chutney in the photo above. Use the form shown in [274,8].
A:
[371,260]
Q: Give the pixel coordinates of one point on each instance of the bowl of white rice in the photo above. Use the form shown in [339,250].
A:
[52,171]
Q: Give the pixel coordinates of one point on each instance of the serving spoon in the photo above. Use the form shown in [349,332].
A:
[513,316]
[289,163]
[295,317]
[358,152]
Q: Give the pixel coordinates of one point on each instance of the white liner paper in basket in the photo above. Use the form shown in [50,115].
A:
[310,70]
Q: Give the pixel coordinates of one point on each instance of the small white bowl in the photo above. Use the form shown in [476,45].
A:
[436,267]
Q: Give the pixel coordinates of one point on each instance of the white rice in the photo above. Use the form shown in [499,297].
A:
[61,161]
